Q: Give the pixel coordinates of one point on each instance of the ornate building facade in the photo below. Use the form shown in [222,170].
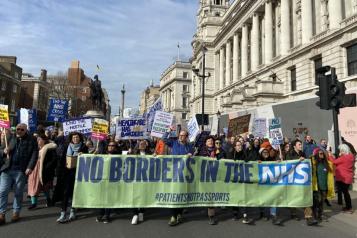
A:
[175,85]
[266,51]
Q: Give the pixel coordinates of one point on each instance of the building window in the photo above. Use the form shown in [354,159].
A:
[84,90]
[84,98]
[185,75]
[293,79]
[184,102]
[3,86]
[185,88]
[2,100]
[12,105]
[317,64]
[184,116]
[352,59]
[14,88]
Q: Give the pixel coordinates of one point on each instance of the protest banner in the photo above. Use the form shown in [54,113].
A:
[100,129]
[131,129]
[81,125]
[58,110]
[214,127]
[239,125]
[28,117]
[150,116]
[4,116]
[193,129]
[131,181]
[259,127]
[275,132]
[162,123]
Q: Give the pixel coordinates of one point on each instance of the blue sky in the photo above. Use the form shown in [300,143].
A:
[131,41]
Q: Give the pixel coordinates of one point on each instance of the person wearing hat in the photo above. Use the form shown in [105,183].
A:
[266,212]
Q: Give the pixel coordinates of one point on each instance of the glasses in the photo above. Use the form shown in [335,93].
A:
[20,129]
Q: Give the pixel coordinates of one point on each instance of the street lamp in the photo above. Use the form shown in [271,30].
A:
[203,76]
[218,118]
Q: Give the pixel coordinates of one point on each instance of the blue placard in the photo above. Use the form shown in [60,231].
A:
[58,110]
[28,117]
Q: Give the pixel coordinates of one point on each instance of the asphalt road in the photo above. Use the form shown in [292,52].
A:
[42,223]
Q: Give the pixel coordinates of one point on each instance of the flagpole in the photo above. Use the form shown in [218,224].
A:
[178,51]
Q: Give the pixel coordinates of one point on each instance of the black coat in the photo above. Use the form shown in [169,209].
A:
[27,152]
[241,155]
[49,163]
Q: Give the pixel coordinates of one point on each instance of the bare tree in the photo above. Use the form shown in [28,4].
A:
[59,86]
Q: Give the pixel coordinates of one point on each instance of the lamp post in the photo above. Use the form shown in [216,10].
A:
[122,101]
[203,76]
[218,118]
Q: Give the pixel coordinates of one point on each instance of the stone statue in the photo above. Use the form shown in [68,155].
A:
[96,93]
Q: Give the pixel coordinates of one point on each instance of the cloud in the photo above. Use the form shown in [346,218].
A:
[132,41]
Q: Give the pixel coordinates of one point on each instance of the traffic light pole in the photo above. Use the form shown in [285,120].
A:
[336,130]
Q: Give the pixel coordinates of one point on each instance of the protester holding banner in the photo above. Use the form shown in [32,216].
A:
[344,174]
[297,153]
[238,153]
[104,213]
[20,160]
[322,181]
[42,176]
[179,146]
[76,146]
[142,149]
[220,153]
[265,155]
[209,150]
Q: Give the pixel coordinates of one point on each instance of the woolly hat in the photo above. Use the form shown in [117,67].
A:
[262,149]
[266,145]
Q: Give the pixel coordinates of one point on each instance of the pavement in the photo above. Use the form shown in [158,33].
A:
[42,223]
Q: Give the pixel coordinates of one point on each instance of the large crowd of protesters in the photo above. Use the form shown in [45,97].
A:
[45,161]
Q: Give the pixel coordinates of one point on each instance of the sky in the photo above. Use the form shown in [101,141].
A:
[133,42]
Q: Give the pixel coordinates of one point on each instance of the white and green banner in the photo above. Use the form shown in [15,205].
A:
[125,181]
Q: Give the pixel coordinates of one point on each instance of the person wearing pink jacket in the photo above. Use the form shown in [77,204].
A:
[344,173]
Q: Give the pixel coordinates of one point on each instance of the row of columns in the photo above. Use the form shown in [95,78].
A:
[306,9]
[167,99]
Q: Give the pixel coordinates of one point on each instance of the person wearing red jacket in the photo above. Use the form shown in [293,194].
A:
[344,173]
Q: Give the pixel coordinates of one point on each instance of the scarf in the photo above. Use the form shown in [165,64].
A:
[73,149]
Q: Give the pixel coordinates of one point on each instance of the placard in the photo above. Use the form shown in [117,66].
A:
[81,125]
[162,123]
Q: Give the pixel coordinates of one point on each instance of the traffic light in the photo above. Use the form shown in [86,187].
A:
[337,91]
[332,93]
[324,82]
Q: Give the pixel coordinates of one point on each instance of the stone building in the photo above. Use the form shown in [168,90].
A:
[265,51]
[148,97]
[175,83]
[10,79]
[35,94]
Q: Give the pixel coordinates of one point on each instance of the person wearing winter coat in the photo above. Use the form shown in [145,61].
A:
[42,176]
[322,181]
[75,148]
[344,173]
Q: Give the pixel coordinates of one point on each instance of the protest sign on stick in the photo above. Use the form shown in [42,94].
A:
[162,123]
[238,125]
[133,128]
[100,129]
[81,125]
